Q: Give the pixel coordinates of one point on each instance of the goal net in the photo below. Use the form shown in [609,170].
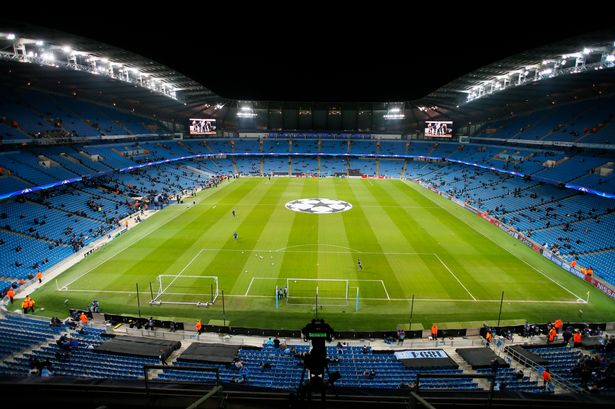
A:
[305,291]
[187,290]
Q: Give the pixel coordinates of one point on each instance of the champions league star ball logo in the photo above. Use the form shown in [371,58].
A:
[318,206]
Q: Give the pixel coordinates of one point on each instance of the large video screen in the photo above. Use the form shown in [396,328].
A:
[202,126]
[439,129]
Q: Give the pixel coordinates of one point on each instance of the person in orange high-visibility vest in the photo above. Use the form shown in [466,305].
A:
[577,339]
[590,271]
[25,304]
[83,318]
[573,264]
[488,336]
[546,377]
[558,325]
[434,331]
[31,304]
[551,336]
[11,294]
[39,277]
[198,326]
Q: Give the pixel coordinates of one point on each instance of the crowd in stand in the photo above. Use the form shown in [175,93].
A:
[598,371]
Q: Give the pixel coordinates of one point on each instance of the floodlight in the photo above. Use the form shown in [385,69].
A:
[10,36]
[587,50]
[39,43]
[394,110]
[394,116]
[610,58]
[67,49]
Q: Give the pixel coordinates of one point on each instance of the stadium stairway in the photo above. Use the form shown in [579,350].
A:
[467,368]
[531,377]
[171,360]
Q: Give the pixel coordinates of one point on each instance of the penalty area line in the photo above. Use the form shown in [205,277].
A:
[385,290]
[456,278]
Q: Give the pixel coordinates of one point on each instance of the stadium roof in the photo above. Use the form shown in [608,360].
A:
[416,68]
[190,94]
[540,86]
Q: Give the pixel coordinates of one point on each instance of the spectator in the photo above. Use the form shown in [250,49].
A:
[567,335]
[237,363]
[369,373]
[45,372]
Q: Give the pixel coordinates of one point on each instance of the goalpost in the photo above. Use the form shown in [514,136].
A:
[186,290]
[330,291]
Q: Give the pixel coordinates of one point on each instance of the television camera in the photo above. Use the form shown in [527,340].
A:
[318,332]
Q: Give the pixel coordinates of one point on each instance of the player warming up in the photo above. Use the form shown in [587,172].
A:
[233,212]
[359,265]
[235,235]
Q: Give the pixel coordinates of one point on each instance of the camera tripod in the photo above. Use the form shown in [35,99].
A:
[316,382]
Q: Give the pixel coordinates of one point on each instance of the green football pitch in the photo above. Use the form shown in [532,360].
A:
[411,242]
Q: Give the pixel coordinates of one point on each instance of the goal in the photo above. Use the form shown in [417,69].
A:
[328,291]
[186,290]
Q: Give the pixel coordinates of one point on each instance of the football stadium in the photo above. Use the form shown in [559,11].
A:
[168,242]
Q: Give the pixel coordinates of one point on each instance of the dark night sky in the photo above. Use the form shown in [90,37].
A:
[320,59]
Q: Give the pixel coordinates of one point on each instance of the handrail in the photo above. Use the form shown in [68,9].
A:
[414,397]
[198,402]
[147,368]
[557,380]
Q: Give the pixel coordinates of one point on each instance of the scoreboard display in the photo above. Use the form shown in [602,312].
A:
[439,129]
[202,126]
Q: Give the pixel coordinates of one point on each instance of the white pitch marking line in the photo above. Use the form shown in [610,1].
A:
[385,289]
[511,253]
[368,299]
[122,250]
[250,286]
[552,280]
[324,252]
[317,245]
[181,272]
[99,291]
[456,278]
